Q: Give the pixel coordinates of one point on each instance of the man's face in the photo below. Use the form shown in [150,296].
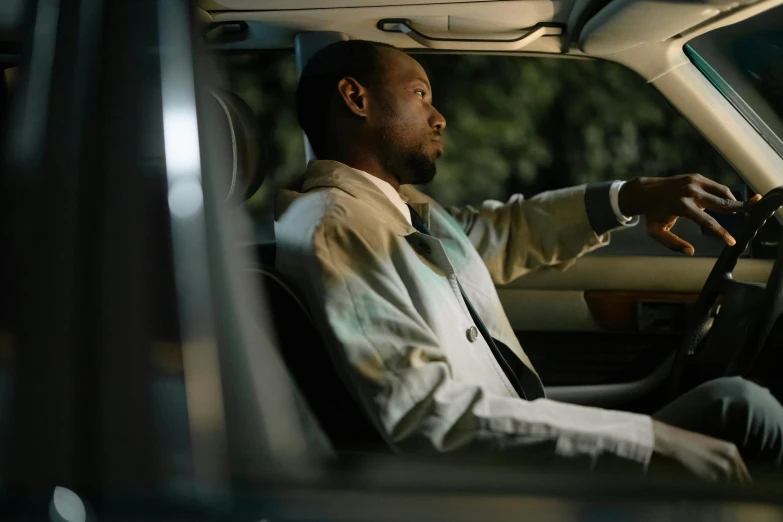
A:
[408,128]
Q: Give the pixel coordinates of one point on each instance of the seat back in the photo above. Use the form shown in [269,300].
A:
[306,356]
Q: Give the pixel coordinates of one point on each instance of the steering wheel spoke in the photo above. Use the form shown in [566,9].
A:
[738,308]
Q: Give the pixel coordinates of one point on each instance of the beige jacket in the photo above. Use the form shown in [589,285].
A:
[387,299]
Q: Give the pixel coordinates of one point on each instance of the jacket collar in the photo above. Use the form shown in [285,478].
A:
[333,174]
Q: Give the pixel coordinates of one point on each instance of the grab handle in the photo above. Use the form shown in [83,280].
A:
[405,26]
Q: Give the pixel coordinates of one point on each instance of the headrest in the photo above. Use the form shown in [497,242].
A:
[240,144]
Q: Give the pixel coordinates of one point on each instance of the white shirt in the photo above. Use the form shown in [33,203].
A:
[614,200]
[390,193]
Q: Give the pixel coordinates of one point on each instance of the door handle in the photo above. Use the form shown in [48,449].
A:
[657,317]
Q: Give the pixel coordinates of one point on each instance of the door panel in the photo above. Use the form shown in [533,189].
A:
[535,310]
[604,331]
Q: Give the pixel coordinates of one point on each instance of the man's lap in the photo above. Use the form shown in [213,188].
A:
[735,410]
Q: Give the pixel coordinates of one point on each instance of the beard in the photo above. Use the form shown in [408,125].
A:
[421,169]
[410,165]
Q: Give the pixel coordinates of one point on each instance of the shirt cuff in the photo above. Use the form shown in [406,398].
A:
[603,208]
[614,200]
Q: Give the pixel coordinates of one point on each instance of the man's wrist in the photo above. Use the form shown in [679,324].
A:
[629,198]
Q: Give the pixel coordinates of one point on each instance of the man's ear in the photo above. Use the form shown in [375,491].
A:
[354,95]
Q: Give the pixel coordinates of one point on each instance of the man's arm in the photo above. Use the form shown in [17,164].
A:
[557,227]
[404,381]
[552,228]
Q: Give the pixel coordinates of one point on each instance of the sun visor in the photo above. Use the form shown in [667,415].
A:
[623,24]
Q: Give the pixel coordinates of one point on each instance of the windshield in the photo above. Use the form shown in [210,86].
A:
[745,62]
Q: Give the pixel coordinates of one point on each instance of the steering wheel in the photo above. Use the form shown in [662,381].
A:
[747,312]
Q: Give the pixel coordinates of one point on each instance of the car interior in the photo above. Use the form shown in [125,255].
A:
[605,332]
[622,328]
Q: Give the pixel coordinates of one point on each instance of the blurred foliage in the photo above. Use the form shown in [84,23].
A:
[267,82]
[515,124]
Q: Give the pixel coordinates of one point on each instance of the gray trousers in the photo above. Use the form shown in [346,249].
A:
[734,410]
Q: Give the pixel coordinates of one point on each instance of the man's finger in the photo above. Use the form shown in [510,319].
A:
[716,188]
[719,204]
[705,220]
[670,240]
[723,192]
[752,201]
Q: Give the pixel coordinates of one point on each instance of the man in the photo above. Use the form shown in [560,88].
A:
[403,289]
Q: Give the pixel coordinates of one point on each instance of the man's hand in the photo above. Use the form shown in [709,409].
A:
[662,200]
[707,458]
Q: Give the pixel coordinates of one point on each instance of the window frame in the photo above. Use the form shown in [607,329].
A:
[728,92]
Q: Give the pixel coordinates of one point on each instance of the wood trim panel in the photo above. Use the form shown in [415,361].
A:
[616,309]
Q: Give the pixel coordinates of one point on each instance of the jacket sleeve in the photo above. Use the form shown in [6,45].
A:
[392,362]
[520,235]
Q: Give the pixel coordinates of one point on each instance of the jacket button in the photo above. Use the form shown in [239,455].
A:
[472,333]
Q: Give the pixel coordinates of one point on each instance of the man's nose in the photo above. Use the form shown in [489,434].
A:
[437,121]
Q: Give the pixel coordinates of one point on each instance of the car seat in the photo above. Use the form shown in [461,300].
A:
[301,346]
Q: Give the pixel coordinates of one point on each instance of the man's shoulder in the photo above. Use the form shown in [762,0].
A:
[329,213]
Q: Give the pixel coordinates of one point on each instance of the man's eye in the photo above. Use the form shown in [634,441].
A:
[420,93]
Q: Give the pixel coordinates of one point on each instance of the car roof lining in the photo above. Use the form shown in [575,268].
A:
[496,19]
[272,27]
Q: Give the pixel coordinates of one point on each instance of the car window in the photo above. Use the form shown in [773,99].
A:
[745,62]
[514,125]
[527,125]
[530,124]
